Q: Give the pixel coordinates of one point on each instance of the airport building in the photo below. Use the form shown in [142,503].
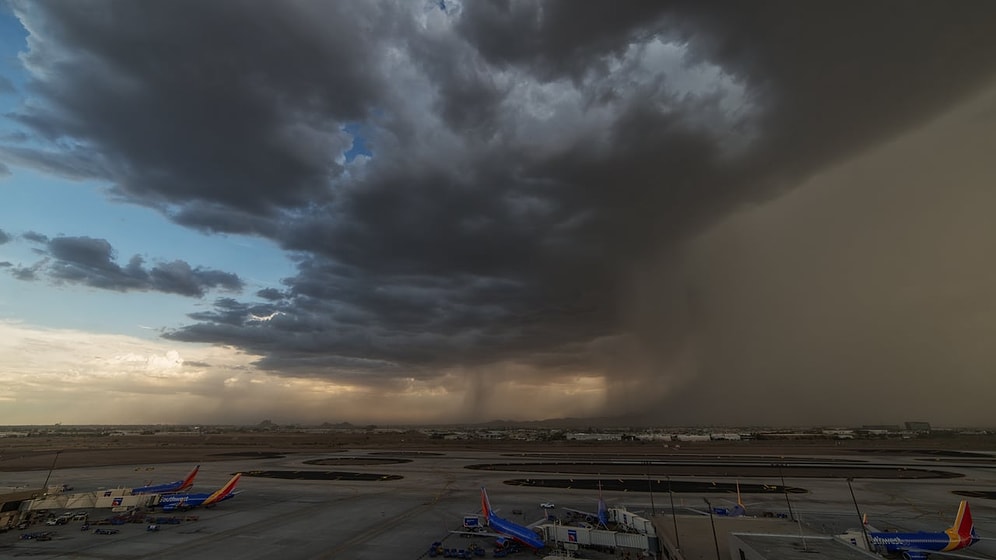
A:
[918,427]
[119,499]
[11,504]
[27,504]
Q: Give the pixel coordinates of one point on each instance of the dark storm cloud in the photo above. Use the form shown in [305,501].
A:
[270,294]
[71,163]
[4,237]
[7,86]
[91,262]
[527,158]
[35,237]
[225,103]
[26,273]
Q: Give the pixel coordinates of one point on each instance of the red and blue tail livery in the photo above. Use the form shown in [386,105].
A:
[917,546]
[178,486]
[171,502]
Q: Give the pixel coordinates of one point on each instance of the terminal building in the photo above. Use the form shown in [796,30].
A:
[24,505]
[11,504]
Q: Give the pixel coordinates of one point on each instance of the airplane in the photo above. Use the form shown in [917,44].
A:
[602,515]
[172,502]
[737,510]
[506,528]
[177,486]
[919,545]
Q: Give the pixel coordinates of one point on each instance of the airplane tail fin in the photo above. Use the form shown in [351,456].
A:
[485,503]
[963,524]
[189,481]
[962,533]
[603,513]
[740,508]
[603,509]
[224,491]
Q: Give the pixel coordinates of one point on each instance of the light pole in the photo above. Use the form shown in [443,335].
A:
[52,468]
[653,510]
[785,492]
[674,515]
[712,521]
[860,519]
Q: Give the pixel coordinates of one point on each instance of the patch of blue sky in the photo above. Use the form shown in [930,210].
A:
[359,147]
[44,304]
[33,201]
[13,39]
[12,72]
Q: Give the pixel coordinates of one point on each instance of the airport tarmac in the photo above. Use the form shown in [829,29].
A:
[381,518]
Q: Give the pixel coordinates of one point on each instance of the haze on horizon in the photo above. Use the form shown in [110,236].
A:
[766,213]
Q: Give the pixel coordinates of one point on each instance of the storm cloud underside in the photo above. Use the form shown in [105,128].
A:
[535,180]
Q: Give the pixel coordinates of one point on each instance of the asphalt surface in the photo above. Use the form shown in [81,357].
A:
[379,517]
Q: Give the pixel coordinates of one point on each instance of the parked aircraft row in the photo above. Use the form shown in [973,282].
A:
[172,502]
[172,497]
[911,546]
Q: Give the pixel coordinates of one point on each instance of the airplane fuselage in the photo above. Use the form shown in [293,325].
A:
[916,546]
[159,489]
[525,535]
[187,501]
[171,502]
[921,540]
[177,486]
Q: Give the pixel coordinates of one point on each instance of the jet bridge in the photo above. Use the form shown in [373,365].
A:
[634,532]
[111,499]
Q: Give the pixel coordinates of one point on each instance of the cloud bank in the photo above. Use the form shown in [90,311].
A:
[90,262]
[489,191]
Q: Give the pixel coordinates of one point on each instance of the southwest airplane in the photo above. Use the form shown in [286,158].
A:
[177,486]
[602,515]
[736,511]
[523,534]
[917,546]
[171,502]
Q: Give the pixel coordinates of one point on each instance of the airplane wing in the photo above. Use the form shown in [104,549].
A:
[478,534]
[581,512]
[537,523]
